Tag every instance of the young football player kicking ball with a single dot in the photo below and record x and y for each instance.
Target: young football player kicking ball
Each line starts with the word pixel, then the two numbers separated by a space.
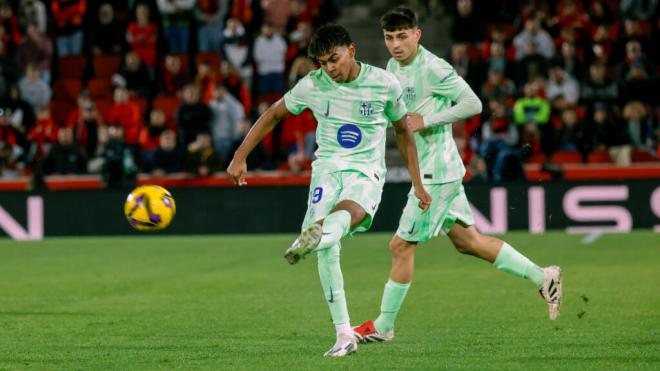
pixel 353 104
pixel 430 86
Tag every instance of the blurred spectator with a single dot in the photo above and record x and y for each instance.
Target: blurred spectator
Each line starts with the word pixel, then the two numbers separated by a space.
pixel 206 80
pixel 134 76
pixel 536 37
pixel 65 157
pixel 142 36
pixel 466 26
pixel 533 112
pixel 639 126
pixel 34 90
pixel 10 151
pixel 210 16
pixel 607 134
pixel 168 157
pixel 637 85
pixel 299 41
pixel 269 50
pixel 498 86
pixel 460 60
pixel 126 114
pixel 13 35
pixel 572 135
pixel 36 48
pixel 68 15
pixel 236 87
pixel 499 145
pixel 570 61
pixel 600 12
pixel 228 116
pixel 598 87
pixel 42 136
pixel 298 136
pixel 235 49
pixel 193 116
pixel 175 77
pixel 177 18
pixel 635 55
pixel 532 66
pixel 638 9
pixel 86 123
pixel 497 59
pixel 33 12
pixel 202 159
pixel 119 168
pixel 562 90
pixel 300 67
pixel 150 137
pixel 22 114
pixel 107 37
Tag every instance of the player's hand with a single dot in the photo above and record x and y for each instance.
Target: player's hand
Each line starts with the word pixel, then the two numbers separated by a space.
pixel 415 122
pixel 237 170
pixel 424 199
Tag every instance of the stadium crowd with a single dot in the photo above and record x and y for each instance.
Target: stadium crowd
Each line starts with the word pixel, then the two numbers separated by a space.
pixel 170 86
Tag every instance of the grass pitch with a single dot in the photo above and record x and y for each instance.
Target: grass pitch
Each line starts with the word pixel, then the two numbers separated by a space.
pixel 232 302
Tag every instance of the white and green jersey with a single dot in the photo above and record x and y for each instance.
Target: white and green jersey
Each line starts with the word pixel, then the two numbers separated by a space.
pixel 431 85
pixel 352 118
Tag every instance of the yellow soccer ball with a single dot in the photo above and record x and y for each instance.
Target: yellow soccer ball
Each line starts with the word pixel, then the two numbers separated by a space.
pixel 149 208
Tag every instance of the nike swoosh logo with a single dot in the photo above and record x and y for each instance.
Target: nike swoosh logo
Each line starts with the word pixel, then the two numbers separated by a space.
pixel 412 229
pixel 332 298
pixel 327 110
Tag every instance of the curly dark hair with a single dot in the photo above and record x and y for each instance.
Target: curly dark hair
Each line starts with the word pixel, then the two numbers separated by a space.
pixel 326 38
pixel 399 18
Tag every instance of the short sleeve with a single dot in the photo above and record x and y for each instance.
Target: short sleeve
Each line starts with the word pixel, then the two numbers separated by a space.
pixel 295 99
pixel 395 109
pixel 445 81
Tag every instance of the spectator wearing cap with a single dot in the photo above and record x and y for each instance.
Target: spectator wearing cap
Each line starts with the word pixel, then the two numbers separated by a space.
pixel 269 51
pixel 563 90
pixel 68 15
pixel 33 89
pixel 65 157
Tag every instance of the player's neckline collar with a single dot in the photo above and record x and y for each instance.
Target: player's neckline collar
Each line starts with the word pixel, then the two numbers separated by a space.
pixel 355 82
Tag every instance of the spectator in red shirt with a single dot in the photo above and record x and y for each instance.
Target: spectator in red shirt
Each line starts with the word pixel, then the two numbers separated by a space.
pixel 126 114
pixel 142 36
pixel 10 151
pixel 11 26
pixel 86 122
pixel 68 15
pixel 150 136
pixel 175 77
pixel 42 136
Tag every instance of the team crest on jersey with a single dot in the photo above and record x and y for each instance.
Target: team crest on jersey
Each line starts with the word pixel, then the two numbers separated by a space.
pixel 410 94
pixel 366 109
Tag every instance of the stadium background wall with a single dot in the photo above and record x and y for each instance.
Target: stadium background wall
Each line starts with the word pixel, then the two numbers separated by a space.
pixel 574 207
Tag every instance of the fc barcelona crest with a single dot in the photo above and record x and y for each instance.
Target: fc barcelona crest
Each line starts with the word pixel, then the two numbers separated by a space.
pixel 410 94
pixel 366 109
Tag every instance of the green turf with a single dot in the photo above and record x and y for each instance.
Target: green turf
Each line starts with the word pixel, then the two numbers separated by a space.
pixel 233 302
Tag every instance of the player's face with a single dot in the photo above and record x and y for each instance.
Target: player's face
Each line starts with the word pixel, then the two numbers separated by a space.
pixel 402 44
pixel 338 63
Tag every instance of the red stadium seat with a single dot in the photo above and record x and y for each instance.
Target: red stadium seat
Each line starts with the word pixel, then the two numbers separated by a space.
pixel 60 109
pixel 169 105
pixel 141 103
pixel 100 88
pixel 566 157
pixel 599 157
pixel 103 105
pixel 67 90
pixel 72 67
pixel 106 65
pixel 538 158
pixel 641 156
pixel 213 59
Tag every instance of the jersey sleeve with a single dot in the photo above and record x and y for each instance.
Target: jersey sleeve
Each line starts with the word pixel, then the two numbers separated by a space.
pixel 395 109
pixel 445 81
pixel 296 98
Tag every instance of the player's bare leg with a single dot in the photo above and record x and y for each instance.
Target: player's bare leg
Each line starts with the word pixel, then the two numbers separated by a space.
pixel 468 240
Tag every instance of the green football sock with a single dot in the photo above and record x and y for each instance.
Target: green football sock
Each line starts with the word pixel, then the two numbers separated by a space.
pixel 333 283
pixel 335 226
pixel 510 260
pixel 393 297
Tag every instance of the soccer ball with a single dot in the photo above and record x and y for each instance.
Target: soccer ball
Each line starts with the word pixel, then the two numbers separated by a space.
pixel 149 208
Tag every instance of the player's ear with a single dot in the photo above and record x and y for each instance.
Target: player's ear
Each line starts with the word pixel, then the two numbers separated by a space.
pixel 418 33
pixel 351 50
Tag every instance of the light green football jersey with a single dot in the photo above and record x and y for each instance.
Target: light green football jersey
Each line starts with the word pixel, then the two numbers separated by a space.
pixel 352 118
pixel 431 85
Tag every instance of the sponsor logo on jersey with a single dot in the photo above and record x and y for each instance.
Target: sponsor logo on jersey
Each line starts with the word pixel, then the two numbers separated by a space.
pixel 349 136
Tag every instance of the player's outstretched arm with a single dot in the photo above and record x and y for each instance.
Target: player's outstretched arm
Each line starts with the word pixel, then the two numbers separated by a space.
pixel 467 105
pixel 406 144
pixel 266 122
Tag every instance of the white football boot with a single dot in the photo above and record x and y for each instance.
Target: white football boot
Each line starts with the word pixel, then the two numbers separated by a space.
pixel 552 290
pixel 346 344
pixel 304 244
